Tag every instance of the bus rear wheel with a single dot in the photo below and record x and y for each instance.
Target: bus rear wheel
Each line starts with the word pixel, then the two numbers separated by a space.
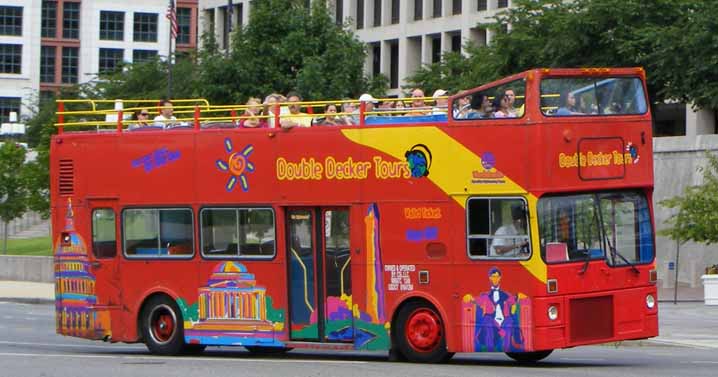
pixel 529 357
pixel 420 334
pixel 162 326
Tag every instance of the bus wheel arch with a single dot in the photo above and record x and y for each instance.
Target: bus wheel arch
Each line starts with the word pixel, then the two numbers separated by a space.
pixel 419 332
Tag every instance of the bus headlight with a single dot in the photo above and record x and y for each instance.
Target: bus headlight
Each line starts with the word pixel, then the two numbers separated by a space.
pixel 650 301
pixel 552 313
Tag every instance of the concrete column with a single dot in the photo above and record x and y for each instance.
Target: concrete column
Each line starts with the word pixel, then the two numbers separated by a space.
pixel 699 122
pixel 426 49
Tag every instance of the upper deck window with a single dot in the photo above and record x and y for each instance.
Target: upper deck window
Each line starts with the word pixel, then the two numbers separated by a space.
pixel 592 96
pixel 505 101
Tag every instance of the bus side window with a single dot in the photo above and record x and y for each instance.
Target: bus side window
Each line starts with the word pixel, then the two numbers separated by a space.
pixel 496 228
pixel 104 240
pixel 238 232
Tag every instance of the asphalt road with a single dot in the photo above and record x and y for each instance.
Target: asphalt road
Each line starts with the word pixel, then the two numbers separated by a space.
pixel 30 347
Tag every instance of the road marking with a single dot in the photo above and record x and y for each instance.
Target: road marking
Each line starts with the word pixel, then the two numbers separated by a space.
pixel 580 359
pixel 108 346
pixel 208 358
pixel 699 362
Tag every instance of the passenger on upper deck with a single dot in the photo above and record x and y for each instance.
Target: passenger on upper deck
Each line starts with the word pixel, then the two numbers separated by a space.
pixel 165 119
pixel 481 107
pixel 348 108
pixel 441 104
pixel 296 117
pixel 399 108
pixel 269 107
pixel 330 119
pixel 509 93
pixel 501 104
pixel 462 108
pixel 142 117
pixel 252 115
pixel 568 104
pixel 369 104
pixel 418 106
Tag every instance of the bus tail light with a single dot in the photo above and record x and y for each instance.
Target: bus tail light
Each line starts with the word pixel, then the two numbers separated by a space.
pixel 552 286
pixel 650 301
pixel 552 312
pixel 652 276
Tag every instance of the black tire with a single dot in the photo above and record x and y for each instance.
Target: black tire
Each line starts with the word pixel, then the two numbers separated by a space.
pixel 529 357
pixel 263 350
pixel 420 334
pixel 162 326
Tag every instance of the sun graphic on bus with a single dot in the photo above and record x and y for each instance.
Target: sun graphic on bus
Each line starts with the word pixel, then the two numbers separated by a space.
pixel 237 165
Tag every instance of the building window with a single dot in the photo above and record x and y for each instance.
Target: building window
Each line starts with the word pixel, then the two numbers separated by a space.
pixel 418 10
pixel 104 240
pixel 497 228
pixel 482 5
pixel 10 58
pixel 110 58
pixel 395 11
pixel 209 16
pixel 112 25
pixel 47 64
pixel 376 59
pixel 240 15
pixel 377 13
pixel 360 14
pixel 140 56
pixel 46 97
pixel 69 65
pixel 503 4
pixel 49 19
pixel 10 20
pixel 7 106
pixel 184 19
pixel 339 12
pixel 227 23
pixel 166 232
pixel 456 7
pixel 71 20
pixel 456 43
pixel 437 9
pixel 394 65
pixel 145 27
pixel 238 232
pixel 435 49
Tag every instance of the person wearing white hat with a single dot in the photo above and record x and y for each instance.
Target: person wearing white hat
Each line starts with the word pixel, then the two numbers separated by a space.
pixel 369 102
pixel 441 103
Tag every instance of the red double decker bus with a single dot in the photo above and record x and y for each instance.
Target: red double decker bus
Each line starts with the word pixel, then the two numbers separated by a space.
pixel 519 228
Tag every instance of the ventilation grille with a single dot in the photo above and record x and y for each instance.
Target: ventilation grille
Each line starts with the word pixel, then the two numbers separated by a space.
pixel 591 319
pixel 67 177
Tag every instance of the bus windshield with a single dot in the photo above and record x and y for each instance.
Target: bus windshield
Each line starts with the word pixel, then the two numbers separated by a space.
pixel 592 96
pixel 615 226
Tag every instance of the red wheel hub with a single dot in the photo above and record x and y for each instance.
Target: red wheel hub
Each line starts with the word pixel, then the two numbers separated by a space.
pixel 423 330
pixel 163 324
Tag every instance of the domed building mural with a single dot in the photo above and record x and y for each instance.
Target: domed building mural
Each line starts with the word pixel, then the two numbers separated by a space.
pixel 75 286
pixel 234 310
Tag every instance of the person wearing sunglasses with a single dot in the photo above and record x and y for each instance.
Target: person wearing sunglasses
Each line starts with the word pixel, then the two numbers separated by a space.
pixel 141 119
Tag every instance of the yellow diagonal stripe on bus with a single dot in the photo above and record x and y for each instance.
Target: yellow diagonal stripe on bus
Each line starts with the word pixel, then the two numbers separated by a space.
pixel 451 170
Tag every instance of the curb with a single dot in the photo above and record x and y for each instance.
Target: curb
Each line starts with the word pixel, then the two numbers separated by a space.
pixel 28 300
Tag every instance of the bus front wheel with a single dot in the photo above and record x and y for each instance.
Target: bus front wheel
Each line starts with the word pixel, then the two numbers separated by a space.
pixel 420 334
pixel 162 326
pixel 529 357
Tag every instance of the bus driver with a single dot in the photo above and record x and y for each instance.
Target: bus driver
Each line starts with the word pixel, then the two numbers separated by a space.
pixel 507 246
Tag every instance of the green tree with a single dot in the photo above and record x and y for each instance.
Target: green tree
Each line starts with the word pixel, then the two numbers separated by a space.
pixel 15 185
pixel 286 46
pixel 696 218
pixel 672 40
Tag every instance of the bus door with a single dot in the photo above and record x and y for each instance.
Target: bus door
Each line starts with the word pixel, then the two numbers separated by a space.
pixel 105 263
pixel 319 262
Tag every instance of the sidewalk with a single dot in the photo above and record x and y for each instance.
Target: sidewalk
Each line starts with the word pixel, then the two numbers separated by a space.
pixel 686 324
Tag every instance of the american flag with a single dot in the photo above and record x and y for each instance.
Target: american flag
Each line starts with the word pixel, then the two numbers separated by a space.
pixel 172 16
